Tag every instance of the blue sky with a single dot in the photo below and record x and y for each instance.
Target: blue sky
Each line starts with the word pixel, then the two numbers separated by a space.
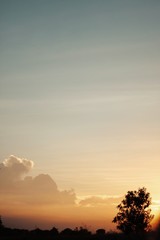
pixel 80 91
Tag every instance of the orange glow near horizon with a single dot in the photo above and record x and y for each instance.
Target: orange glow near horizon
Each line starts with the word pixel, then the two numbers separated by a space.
pixel 63 216
pixel 31 201
pixel 60 216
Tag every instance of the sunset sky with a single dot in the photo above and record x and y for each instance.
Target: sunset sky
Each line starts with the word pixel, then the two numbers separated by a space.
pixel 79 109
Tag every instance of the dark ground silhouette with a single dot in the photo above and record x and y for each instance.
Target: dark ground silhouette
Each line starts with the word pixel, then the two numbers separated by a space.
pixel 69 234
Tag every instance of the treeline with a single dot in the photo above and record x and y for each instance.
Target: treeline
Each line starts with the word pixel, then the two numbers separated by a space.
pixel 69 234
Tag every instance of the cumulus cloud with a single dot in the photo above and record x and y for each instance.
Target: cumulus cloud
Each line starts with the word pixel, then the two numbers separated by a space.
pixel 16 187
pixel 20 164
pixel 13 168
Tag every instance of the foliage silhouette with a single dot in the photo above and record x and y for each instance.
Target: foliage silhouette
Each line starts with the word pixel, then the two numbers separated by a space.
pixel 100 231
pixel 134 214
pixel 1 224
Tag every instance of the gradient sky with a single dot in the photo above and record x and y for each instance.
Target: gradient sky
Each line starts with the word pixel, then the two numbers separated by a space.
pixel 80 92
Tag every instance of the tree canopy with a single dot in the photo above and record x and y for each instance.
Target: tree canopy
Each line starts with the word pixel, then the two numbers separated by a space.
pixel 134 215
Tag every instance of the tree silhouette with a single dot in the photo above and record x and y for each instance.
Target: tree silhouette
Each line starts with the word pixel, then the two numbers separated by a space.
pixel 1 224
pixel 134 214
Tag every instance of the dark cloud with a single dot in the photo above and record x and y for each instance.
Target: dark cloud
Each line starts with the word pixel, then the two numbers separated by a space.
pixel 28 190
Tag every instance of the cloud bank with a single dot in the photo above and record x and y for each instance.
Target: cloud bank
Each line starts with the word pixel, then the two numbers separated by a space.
pixel 28 200
pixel 42 189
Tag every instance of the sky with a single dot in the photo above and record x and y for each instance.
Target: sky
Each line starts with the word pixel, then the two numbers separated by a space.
pixel 79 107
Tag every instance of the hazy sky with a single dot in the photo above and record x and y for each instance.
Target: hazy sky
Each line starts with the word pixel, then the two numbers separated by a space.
pixel 80 92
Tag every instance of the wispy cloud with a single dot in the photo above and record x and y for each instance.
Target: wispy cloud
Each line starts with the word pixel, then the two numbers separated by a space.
pixel 93 201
